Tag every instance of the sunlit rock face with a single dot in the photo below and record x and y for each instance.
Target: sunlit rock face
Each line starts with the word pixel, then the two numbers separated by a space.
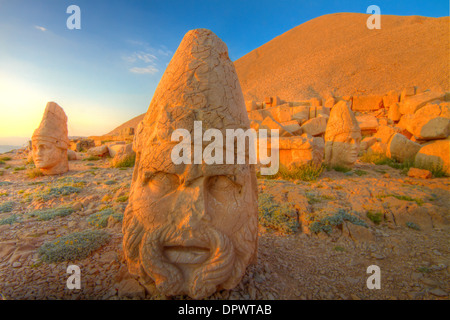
pixel 342 136
pixel 191 228
pixel 50 141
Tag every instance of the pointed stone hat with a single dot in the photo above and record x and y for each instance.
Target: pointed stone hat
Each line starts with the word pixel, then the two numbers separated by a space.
pixel 342 121
pixel 199 84
pixel 53 126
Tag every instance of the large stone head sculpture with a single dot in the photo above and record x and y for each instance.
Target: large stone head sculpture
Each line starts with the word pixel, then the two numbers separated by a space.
pixel 50 141
pixel 342 136
pixel 191 228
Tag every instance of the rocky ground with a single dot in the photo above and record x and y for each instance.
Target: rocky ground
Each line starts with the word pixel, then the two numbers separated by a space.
pixel 414 264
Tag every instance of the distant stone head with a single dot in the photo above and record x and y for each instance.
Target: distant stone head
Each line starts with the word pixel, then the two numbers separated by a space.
pixel 50 141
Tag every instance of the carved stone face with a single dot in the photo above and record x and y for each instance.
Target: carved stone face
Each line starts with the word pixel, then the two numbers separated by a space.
pixel 46 155
pixel 192 229
pixel 344 149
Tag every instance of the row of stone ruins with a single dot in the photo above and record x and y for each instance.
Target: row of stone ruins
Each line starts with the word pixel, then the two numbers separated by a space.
pixel 406 125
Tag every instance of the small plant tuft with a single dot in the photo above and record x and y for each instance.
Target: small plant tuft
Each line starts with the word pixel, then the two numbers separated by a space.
pixel 74 246
pixel 45 215
pixel 100 219
pixel 337 219
pixel 6 206
pixel 127 162
pixel 34 173
pixel 412 225
pixel 375 217
pixel 275 216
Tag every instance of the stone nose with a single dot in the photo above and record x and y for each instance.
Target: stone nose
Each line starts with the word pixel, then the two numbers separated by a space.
pixel 191 208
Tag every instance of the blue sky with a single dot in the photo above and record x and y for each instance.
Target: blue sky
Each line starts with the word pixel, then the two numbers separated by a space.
pixel 107 72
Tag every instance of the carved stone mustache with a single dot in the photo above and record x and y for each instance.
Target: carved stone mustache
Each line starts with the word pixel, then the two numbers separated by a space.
pixel 210 250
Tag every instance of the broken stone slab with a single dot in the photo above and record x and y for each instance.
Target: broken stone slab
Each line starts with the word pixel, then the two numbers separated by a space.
pixel 413 103
pixel 434 155
pixel 401 148
pixel 315 126
pixel 367 103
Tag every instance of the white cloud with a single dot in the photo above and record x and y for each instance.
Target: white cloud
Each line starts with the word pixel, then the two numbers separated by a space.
pixel 145 70
pixel 40 28
pixel 140 56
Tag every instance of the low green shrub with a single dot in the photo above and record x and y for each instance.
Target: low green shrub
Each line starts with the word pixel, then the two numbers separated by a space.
pixel 412 225
pixel 100 219
pixel 275 216
pixel 306 172
pixel 92 158
pixel 6 206
pixel 326 224
pixel 375 217
pixel 122 199
pixel 127 162
pixel 10 220
pixel 48 214
pixel 74 246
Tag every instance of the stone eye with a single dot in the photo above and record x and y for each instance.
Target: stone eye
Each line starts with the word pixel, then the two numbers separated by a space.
pixel 221 184
pixel 162 183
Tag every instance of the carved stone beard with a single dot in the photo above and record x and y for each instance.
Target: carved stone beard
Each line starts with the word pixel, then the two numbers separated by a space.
pixel 223 269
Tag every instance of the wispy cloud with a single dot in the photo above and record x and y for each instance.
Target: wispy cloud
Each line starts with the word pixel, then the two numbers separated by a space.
pixel 140 56
pixel 144 70
pixel 41 28
pixel 146 59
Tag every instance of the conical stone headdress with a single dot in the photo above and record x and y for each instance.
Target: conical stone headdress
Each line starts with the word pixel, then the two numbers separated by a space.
pixel 53 127
pixel 199 84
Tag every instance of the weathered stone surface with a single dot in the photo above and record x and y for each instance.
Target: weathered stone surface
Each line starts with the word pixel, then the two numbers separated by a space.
pixel 83 145
pixel 357 233
pixel 123 153
pixel 430 122
pixel 258 115
pixel 409 91
pixel 401 148
pixel 378 147
pixel 270 123
pixel 315 126
pixel 316 102
pixel 413 103
pixel 330 102
pixel 435 155
pixel 129 131
pixel 299 150
pixel 292 126
pixel 72 155
pixel 100 151
pixel 367 123
pixel 367 103
pixel 174 235
pixel 390 99
pixel 130 288
pixel 342 136
pixel 394 112
pixel 367 143
pixel 323 111
pixel 419 173
pixel 385 133
pixel 281 113
pixel 250 105
pixel 50 141
pixel 300 113
pixel 113 148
